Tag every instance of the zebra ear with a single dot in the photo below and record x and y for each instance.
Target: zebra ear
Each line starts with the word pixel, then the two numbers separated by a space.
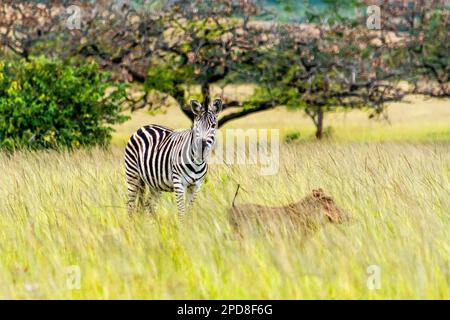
pixel 216 106
pixel 197 108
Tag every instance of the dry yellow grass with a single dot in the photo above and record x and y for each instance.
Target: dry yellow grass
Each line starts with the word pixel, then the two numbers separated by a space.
pixel 63 212
pixel 66 210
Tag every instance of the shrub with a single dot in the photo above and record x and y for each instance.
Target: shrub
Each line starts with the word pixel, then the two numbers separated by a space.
pixel 292 137
pixel 49 104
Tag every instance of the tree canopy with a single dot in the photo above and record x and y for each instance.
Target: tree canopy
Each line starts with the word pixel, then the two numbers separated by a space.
pixel 318 57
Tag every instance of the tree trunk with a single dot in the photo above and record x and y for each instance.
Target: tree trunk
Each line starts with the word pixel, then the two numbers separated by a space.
pixel 205 93
pixel 319 123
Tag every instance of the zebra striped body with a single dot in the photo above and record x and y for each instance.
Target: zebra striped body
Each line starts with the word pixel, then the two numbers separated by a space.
pixel 155 153
pixel 162 159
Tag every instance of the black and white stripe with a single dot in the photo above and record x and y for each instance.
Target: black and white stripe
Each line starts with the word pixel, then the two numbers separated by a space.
pixel 162 159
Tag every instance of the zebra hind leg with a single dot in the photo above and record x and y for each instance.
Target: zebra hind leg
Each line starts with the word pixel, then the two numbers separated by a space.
pixel 136 188
pixel 152 200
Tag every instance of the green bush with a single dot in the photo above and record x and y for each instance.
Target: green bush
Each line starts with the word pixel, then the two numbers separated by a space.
pixel 292 137
pixel 49 104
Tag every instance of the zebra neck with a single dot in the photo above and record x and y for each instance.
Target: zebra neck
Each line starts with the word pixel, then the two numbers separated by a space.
pixel 192 150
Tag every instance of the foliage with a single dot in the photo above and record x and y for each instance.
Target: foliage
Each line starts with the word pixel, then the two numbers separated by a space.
pixel 422 29
pixel 326 66
pixel 330 60
pixel 170 77
pixel 199 46
pixel 48 104
pixel 292 137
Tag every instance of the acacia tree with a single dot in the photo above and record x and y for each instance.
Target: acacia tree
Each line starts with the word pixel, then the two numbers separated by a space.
pixel 206 42
pixel 321 67
pixel 422 27
pixel 25 24
pixel 339 62
pixel 110 33
pixel 170 48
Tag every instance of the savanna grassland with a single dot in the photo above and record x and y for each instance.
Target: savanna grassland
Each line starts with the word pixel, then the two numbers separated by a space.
pixel 62 209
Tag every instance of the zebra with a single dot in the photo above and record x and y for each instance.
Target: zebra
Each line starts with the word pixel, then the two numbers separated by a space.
pixel 165 160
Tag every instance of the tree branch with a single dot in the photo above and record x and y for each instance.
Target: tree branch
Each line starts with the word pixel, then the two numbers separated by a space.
pixel 261 107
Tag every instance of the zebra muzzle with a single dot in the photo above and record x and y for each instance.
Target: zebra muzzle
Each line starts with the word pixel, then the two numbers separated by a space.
pixel 204 146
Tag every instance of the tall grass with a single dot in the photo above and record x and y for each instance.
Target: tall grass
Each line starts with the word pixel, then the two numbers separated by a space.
pixel 64 209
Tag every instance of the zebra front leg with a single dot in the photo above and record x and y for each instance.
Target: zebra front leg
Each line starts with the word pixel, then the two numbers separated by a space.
pixel 179 190
pixel 191 193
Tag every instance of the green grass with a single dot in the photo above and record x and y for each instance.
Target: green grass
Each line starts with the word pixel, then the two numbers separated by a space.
pixel 61 209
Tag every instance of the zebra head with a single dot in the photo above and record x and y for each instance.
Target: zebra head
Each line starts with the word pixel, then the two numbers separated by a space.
pixel 204 128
